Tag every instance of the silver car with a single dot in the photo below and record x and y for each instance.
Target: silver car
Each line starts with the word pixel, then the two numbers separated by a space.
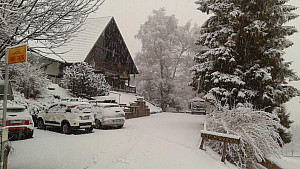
pixel 108 115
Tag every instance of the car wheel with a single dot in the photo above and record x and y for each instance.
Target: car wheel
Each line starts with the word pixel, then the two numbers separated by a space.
pixel 41 124
pixel 88 130
pixel 20 136
pixel 66 128
pixel 98 124
pixel 119 127
pixel 29 134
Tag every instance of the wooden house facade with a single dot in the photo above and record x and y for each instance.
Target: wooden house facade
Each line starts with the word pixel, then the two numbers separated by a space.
pixel 99 43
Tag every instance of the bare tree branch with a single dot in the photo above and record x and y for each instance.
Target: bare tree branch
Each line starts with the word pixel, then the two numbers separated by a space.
pixel 52 22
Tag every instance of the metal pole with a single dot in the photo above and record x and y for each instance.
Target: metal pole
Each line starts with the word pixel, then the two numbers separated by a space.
pixel 4 113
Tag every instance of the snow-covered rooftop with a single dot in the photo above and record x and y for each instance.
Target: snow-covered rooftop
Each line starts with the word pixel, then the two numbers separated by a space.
pixel 79 46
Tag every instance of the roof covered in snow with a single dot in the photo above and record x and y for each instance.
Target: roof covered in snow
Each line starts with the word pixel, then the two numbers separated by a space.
pixel 77 49
pixel 197 99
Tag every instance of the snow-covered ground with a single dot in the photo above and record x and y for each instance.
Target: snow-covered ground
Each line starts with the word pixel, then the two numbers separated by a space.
pixel 163 140
pixel 160 141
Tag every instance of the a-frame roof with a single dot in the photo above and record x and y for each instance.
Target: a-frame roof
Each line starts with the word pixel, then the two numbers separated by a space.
pixel 79 47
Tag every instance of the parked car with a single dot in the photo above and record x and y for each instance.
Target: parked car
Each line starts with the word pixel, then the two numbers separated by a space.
pixel 108 115
pixel 197 106
pixel 103 99
pixel 68 116
pixel 18 121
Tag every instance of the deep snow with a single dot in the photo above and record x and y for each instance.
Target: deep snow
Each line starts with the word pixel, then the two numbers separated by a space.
pixel 164 140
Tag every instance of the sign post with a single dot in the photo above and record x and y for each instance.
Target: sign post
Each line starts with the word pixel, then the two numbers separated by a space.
pixel 14 54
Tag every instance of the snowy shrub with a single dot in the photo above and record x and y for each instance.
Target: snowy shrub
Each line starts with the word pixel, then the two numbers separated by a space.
pixel 29 79
pixel 34 106
pixel 258 131
pixel 82 81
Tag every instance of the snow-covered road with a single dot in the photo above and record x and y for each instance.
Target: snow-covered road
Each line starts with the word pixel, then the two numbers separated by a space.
pixel 161 141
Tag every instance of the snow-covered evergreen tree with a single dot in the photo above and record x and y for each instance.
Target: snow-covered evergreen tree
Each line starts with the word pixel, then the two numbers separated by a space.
pixel 28 78
pixel 82 81
pixel 166 52
pixel 243 61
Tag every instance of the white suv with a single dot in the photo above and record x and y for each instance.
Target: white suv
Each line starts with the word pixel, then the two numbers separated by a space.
pixel 108 115
pixel 69 116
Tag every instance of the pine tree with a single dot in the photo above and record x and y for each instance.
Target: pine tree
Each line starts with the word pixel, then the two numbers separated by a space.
pixel 82 81
pixel 243 62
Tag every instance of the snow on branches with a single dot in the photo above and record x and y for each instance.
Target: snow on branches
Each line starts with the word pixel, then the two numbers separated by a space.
pixel 245 42
pixel 82 81
pixel 48 22
pixel 168 48
pixel 28 78
pixel 258 130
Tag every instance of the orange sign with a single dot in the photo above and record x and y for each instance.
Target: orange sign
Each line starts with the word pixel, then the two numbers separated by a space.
pixel 17 54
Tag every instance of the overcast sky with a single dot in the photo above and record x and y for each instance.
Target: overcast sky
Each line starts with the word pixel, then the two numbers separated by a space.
pixel 131 14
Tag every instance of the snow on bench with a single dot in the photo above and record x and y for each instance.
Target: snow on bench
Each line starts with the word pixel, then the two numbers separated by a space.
pixel 226 138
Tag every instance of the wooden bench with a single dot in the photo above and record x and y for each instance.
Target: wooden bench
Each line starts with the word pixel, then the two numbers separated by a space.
pixel 226 138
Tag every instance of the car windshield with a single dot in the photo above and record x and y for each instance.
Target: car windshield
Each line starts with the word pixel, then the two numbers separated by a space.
pixel 109 106
pixel 81 107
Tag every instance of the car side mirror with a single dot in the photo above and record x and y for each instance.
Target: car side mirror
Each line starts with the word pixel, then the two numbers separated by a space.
pixel 68 110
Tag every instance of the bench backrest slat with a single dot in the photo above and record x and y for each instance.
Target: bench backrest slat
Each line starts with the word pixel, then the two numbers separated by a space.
pixel 229 138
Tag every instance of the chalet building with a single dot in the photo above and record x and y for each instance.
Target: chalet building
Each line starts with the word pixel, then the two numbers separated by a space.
pixel 100 44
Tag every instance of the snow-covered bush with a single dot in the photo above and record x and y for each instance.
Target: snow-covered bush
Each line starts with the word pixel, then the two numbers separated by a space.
pixel 34 106
pixel 258 131
pixel 82 81
pixel 29 79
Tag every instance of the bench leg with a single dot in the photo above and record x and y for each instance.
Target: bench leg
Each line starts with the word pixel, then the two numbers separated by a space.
pixel 202 142
pixel 224 152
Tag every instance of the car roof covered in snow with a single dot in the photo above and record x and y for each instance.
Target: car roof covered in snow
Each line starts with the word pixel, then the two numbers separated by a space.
pixel 107 104
pixel 72 103
pixel 197 99
pixel 14 106
pixel 103 98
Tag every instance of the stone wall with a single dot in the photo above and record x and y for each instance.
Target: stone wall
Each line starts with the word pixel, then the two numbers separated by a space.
pixel 137 109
